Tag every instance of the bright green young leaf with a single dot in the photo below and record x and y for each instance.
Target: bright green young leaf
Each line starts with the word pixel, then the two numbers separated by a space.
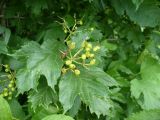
pixel 40 60
pixel 146 89
pixel 57 117
pixel 5 112
pixel 145 115
pixel 92 87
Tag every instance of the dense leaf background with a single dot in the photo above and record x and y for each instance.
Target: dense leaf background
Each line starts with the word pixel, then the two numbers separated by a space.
pixel 124 83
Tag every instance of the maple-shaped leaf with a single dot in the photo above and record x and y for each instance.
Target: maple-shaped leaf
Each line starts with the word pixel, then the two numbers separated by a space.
pixel 40 60
pixel 42 97
pixel 146 89
pixel 92 87
pixel 145 115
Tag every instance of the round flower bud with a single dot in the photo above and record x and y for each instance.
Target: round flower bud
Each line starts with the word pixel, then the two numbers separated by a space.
pixel 88 49
pixel 92 29
pixel 5 94
pixel 91 55
pixel 65 31
pixel 12 81
pixel 64 70
pixel 89 45
pixel 72 45
pixel 96 48
pixel 72 66
pixel 6 70
pixel 68 62
pixel 84 44
pixel 77 72
pixel 9 76
pixel 13 89
pixel 83 56
pixel 81 22
pixel 6 66
pixel 92 62
pixel 10 85
pixel 87 54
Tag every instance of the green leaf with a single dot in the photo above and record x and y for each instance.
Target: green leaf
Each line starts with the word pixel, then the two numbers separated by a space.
pixel 146 15
pixel 54 31
pixel 96 35
pixel 26 79
pixel 42 112
pixel 42 97
pixel 3 47
pixel 75 108
pixel 109 46
pixel 57 117
pixel 6 34
pixel 92 87
pixel 40 60
pixel 37 5
pixel 5 112
pixel 146 90
pixel 137 3
pixel 145 115
pixel 16 109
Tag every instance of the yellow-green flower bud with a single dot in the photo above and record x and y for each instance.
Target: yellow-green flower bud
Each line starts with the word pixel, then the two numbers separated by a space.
pixel 72 66
pixel 77 72
pixel 68 62
pixel 83 56
pixel 92 62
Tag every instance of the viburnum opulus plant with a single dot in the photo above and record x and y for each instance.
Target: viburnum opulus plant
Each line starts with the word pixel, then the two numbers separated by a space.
pixel 79 60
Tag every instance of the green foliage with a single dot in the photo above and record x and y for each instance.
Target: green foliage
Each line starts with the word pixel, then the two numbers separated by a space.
pixel 3 47
pixel 5 113
pixel 83 60
pixel 148 10
pixel 146 89
pixel 16 109
pixel 44 59
pixel 91 86
pixel 145 115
